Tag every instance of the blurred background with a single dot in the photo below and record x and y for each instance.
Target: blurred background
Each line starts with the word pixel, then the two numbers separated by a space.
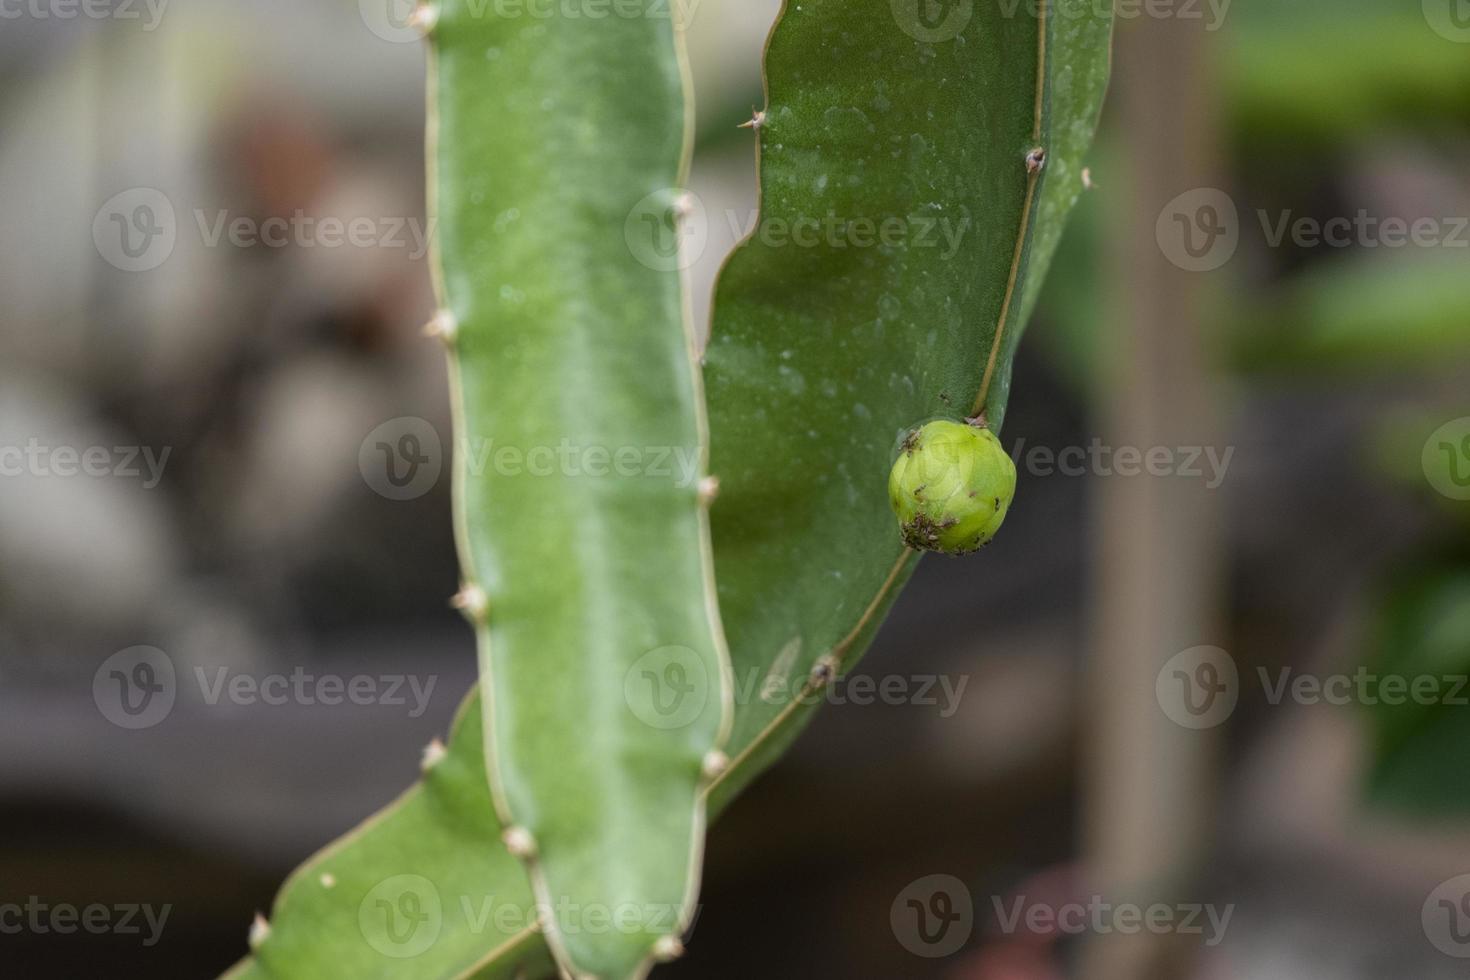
pixel 1214 668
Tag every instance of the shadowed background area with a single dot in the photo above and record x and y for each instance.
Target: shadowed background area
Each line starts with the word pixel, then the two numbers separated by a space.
pixel 1240 421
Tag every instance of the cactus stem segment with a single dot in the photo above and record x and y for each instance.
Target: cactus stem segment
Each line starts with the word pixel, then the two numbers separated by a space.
pixel 667 949
pixel 434 754
pixel 714 764
pixel 472 601
pixel 260 931
pixel 709 489
pixel 1035 160
pixel 519 842
pixel 443 326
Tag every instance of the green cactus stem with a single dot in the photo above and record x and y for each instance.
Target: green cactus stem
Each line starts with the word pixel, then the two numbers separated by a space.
pixel 605 677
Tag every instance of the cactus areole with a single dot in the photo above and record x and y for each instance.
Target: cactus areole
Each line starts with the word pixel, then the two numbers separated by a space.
pixel 951 487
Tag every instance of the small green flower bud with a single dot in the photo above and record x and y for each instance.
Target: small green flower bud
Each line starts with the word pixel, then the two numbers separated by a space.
pixel 951 487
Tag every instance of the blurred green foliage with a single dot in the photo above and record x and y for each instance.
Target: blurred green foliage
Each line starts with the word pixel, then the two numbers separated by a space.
pixel 1419 743
pixel 1308 91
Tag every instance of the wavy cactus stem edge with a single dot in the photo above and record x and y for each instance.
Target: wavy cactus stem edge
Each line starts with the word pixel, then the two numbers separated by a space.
pixel 556 330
